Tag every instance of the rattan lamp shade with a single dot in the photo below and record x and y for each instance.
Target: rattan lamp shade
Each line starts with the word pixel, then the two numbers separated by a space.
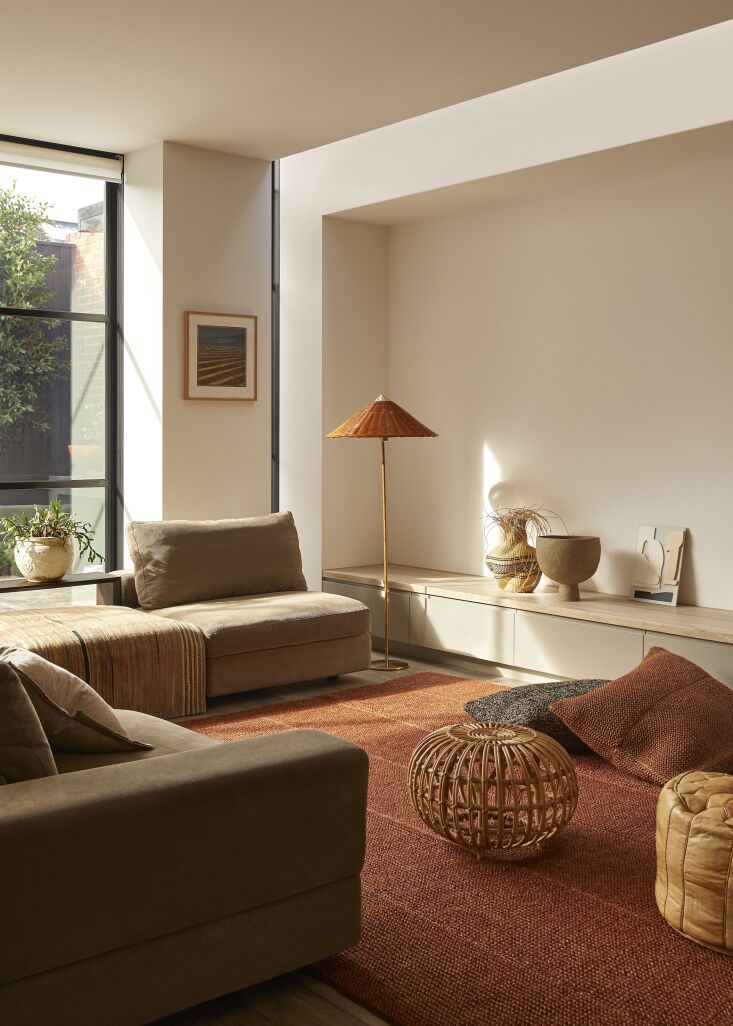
pixel 383 419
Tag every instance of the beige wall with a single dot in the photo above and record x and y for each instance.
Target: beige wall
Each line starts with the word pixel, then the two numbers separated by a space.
pixel 197 237
pixel 216 455
pixel 142 370
pixel 675 86
pixel 355 328
pixel 573 350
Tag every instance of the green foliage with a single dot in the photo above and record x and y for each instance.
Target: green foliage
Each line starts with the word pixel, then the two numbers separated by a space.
pixel 49 522
pixel 29 351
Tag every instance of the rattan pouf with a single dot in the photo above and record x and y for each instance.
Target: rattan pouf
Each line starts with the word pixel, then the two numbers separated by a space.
pixel 491 787
pixel 695 857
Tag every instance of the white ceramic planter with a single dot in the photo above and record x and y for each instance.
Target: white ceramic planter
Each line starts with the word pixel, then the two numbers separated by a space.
pixel 44 559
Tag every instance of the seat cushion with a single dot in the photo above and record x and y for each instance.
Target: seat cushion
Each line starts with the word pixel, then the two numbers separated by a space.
pixel 180 561
pixel 166 738
pixel 258 622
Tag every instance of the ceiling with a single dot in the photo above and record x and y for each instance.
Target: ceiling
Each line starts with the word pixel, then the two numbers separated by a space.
pixel 266 78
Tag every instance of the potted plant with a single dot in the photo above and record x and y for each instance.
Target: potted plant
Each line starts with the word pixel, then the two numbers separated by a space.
pixel 44 543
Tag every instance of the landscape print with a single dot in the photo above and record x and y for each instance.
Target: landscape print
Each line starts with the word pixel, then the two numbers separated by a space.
pixel 221 358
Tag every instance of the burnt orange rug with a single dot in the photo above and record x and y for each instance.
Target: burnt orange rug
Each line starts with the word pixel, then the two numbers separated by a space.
pixel 570 938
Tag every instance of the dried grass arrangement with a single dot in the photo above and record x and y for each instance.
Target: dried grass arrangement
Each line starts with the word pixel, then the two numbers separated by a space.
pixel 514 561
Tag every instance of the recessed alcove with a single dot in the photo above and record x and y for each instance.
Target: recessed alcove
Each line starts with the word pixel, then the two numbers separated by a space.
pixel 566 330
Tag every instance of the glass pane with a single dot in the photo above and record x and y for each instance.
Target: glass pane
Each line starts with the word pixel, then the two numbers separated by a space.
pixel 87 504
pixel 51 241
pixel 52 399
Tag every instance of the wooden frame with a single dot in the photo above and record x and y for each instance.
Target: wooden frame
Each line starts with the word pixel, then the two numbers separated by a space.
pixel 222 377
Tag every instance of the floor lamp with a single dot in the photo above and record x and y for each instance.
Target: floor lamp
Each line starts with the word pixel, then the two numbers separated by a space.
pixel 383 419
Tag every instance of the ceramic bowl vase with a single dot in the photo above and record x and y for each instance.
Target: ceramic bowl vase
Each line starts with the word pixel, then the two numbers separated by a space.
pixel 44 559
pixel 514 563
pixel 568 559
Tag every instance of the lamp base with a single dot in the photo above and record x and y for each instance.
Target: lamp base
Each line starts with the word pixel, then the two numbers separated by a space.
pixel 388 665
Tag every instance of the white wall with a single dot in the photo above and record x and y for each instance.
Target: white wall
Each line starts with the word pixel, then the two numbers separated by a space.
pixel 142 449
pixel 217 224
pixel 197 237
pixel 355 333
pixel 574 350
pixel 674 86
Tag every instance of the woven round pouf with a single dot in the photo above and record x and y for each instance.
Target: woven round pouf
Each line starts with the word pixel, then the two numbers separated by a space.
pixel 491 787
pixel 694 887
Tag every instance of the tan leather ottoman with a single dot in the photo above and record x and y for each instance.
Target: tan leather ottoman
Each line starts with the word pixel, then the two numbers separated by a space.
pixel 694 888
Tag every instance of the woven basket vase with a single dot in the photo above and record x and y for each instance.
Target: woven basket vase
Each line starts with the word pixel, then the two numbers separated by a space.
pixel 514 563
pixel 492 786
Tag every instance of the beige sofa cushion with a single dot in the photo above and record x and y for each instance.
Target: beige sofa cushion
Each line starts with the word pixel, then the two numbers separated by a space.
pixel 181 561
pixel 166 738
pixel 24 750
pixel 251 624
pixel 73 716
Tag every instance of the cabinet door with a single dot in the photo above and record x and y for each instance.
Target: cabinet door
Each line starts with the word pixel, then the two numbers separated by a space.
pixel 466 628
pixel 575 648
pixel 714 657
pixel 399 607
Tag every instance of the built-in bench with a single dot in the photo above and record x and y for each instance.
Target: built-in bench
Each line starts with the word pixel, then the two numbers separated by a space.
pixel 600 636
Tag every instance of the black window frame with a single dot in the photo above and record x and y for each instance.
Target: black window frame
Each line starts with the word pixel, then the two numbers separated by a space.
pixel 112 320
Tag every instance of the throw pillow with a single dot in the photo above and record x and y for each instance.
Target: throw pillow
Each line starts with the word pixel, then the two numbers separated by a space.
pixel 665 717
pixel 24 749
pixel 529 706
pixel 73 716
pixel 182 561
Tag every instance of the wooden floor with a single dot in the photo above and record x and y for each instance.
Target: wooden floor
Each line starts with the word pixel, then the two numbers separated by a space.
pixel 298 999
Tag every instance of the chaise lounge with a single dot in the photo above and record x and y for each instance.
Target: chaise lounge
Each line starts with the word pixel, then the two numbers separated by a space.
pixel 240 582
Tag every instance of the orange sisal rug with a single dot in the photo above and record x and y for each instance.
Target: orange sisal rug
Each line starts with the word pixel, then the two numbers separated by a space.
pixel 570 938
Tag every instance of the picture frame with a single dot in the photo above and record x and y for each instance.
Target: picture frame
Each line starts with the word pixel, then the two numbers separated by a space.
pixel 220 361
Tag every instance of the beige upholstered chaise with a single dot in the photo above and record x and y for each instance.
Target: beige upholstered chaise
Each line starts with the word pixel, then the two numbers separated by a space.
pixel 137 884
pixel 241 583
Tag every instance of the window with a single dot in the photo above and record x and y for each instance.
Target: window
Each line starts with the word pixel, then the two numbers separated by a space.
pixel 59 234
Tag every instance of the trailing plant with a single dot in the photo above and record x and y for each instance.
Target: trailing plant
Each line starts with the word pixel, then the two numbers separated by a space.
pixel 50 522
pixel 31 350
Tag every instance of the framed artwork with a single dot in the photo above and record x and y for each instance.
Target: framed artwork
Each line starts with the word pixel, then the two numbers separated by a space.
pixel 221 357
pixel 658 564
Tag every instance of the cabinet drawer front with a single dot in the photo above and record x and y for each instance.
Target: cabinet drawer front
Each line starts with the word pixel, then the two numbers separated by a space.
pixel 714 657
pixel 466 628
pixel 399 607
pixel 575 648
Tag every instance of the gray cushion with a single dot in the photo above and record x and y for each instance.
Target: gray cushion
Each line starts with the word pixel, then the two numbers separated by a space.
pixel 73 716
pixel 180 561
pixel 529 706
pixel 24 750
pixel 262 622
pixel 166 738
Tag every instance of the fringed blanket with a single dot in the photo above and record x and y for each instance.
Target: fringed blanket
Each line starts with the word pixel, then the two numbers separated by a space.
pixel 134 660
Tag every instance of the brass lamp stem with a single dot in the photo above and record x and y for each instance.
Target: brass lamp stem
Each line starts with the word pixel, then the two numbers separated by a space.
pixel 386 663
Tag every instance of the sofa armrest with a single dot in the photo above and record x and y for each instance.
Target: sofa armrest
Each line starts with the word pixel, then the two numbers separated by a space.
pixel 102 858
pixel 128 593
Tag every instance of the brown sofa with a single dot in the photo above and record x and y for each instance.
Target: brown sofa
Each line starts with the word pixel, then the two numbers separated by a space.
pixel 241 583
pixel 138 884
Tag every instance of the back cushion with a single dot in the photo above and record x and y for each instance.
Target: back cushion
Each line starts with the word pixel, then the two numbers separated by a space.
pixel 181 561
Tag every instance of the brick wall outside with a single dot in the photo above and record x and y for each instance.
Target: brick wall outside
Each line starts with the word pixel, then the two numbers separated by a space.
pixel 87 378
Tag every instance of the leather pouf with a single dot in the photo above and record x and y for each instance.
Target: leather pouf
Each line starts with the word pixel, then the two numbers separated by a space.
pixel 695 857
